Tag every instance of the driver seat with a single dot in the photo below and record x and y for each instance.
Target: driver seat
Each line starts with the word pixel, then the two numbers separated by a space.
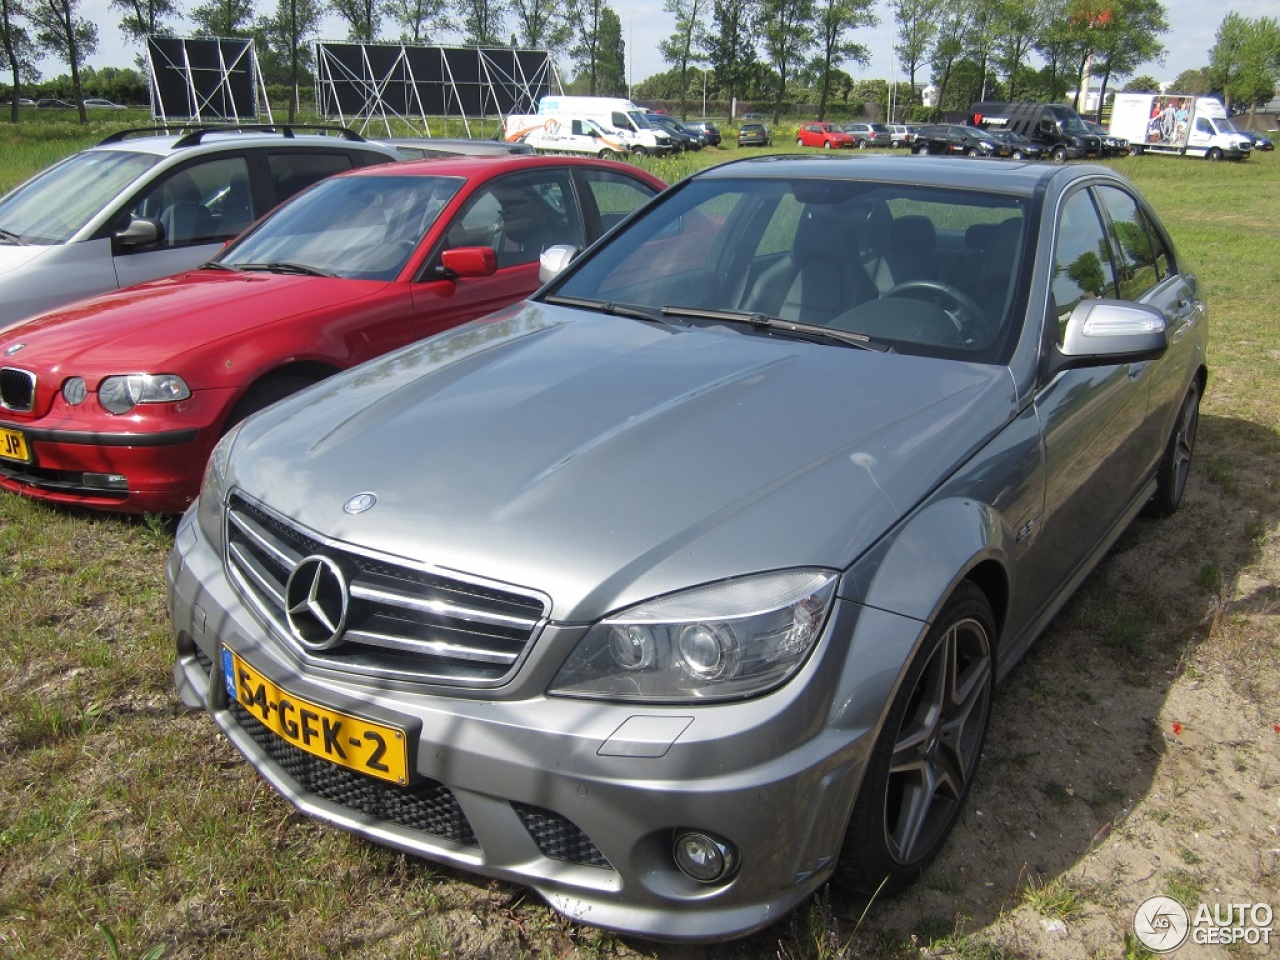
pixel 820 277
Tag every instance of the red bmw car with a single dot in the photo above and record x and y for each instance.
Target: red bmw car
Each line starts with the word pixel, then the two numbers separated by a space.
pixel 115 402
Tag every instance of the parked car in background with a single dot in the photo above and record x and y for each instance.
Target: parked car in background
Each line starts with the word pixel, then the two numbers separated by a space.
pixel 901 135
pixel 686 584
pixel 955 139
pixel 708 129
pixel 1260 140
pixel 143 204
pixel 98 103
pixel 825 135
pixel 869 134
pixel 754 135
pixel 53 103
pixel 681 136
pixel 115 402
pixel 1112 146
pixel 420 148
pixel 1020 147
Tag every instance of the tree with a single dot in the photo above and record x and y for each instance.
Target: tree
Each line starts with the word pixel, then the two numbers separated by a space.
pixel 363 18
pixel 65 34
pixel 1143 84
pixel 917 26
pixel 611 73
pixel 954 26
pixel 18 52
pixel 1130 36
pixel 224 18
pixel 542 23
pixel 787 30
pixel 679 49
pixel 730 46
pixel 1018 23
pixel 835 19
pixel 1191 81
pixel 586 17
pixel 1057 46
pixel 142 18
pixel 483 22
pixel 1244 60
pixel 287 31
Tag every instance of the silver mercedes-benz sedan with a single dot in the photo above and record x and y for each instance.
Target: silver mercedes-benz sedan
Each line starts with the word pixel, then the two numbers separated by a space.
pixel 683 585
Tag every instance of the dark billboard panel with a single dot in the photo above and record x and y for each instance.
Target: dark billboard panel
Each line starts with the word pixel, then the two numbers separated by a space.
pixel 203 78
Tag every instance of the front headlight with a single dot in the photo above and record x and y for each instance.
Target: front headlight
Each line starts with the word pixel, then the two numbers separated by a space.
pixel 722 641
pixel 122 394
pixel 213 489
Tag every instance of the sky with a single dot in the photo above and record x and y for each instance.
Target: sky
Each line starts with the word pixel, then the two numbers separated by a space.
pixel 1192 26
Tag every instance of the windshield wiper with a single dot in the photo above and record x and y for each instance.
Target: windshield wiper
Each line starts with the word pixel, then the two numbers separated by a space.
pixel 287 266
pixel 762 321
pixel 9 237
pixel 611 308
pixel 217 265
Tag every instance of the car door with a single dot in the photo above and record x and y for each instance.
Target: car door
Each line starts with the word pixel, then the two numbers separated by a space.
pixel 1092 419
pixel 517 216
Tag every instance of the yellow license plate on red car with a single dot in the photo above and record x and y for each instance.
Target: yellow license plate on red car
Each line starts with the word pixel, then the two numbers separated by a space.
pixel 366 746
pixel 13 445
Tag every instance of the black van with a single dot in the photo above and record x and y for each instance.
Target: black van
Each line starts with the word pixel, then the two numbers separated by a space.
pixel 1053 125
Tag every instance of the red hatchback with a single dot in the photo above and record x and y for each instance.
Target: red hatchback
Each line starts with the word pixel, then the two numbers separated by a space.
pixel 116 401
pixel 822 135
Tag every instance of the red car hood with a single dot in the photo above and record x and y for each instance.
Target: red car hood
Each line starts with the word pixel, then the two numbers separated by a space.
pixel 143 328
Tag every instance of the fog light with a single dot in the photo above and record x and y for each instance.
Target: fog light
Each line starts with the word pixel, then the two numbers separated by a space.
pixel 105 481
pixel 705 858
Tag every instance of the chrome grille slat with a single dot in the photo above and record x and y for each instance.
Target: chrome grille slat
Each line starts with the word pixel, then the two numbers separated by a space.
pixel 403 621
pixel 17 389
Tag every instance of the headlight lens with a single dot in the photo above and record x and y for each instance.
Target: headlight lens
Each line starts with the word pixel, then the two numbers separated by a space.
pixel 74 391
pixel 726 640
pixel 213 489
pixel 122 394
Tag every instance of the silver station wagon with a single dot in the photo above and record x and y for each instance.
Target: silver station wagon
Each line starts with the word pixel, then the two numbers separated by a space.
pixel 683 586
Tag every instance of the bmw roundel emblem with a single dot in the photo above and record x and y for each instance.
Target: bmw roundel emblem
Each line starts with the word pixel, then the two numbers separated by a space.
pixel 360 503
pixel 316 601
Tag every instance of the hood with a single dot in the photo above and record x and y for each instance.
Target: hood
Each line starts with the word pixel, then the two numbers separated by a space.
pixel 146 326
pixel 15 257
pixel 604 460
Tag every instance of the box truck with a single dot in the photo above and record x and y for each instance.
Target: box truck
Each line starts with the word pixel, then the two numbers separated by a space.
pixel 1055 126
pixel 560 134
pixel 611 113
pixel 1177 124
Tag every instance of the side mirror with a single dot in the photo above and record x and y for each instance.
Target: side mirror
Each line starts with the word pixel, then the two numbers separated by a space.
pixel 1105 332
pixel 141 232
pixel 462 262
pixel 553 261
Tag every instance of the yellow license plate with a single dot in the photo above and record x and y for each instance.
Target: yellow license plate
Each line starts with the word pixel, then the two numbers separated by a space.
pixel 13 445
pixel 376 749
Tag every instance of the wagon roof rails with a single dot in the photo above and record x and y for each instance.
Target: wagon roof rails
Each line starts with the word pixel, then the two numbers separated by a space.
pixel 192 134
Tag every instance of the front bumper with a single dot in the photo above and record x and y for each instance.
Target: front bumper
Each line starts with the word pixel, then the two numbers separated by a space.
pixel 579 800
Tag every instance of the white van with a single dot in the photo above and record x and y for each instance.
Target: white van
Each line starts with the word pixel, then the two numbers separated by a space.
pixel 615 114
pixel 563 134
pixel 1177 124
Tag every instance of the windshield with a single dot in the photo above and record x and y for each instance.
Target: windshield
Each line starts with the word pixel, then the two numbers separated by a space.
pixel 921 269
pixel 53 206
pixel 1225 126
pixel 356 227
pixel 640 120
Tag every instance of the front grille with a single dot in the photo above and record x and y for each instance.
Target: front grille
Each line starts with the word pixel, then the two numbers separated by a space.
pixel 402 621
pixel 17 389
pixel 428 807
pixel 559 838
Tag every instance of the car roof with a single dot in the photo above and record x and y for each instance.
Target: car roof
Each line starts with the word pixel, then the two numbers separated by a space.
pixel 159 142
pixel 1008 177
pixel 486 166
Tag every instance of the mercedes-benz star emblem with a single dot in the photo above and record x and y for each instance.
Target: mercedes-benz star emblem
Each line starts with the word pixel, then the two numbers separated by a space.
pixel 316 600
pixel 360 503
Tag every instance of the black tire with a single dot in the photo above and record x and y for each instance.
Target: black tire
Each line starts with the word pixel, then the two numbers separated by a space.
pixel 605 154
pixel 640 151
pixel 862 144
pixel 826 144
pixel 920 151
pixel 799 142
pixel 1175 465
pixel 928 751
pixel 264 393
pixel 1059 154
pixel 1215 154
pixel 1016 155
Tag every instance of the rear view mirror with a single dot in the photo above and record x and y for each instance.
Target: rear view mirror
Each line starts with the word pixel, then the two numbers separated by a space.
pixel 1103 332
pixel 461 262
pixel 553 261
pixel 141 232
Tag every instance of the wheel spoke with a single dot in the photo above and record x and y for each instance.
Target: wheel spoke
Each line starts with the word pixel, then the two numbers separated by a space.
pixel 913 812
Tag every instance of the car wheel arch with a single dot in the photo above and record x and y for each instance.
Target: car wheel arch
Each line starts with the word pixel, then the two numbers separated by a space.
pixel 276 384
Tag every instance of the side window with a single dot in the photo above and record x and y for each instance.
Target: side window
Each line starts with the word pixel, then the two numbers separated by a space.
pixel 615 195
pixel 1136 258
pixel 1082 260
pixel 291 172
pixel 519 217
pixel 201 202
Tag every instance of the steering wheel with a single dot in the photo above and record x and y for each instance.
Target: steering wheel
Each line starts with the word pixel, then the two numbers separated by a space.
pixel 964 311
